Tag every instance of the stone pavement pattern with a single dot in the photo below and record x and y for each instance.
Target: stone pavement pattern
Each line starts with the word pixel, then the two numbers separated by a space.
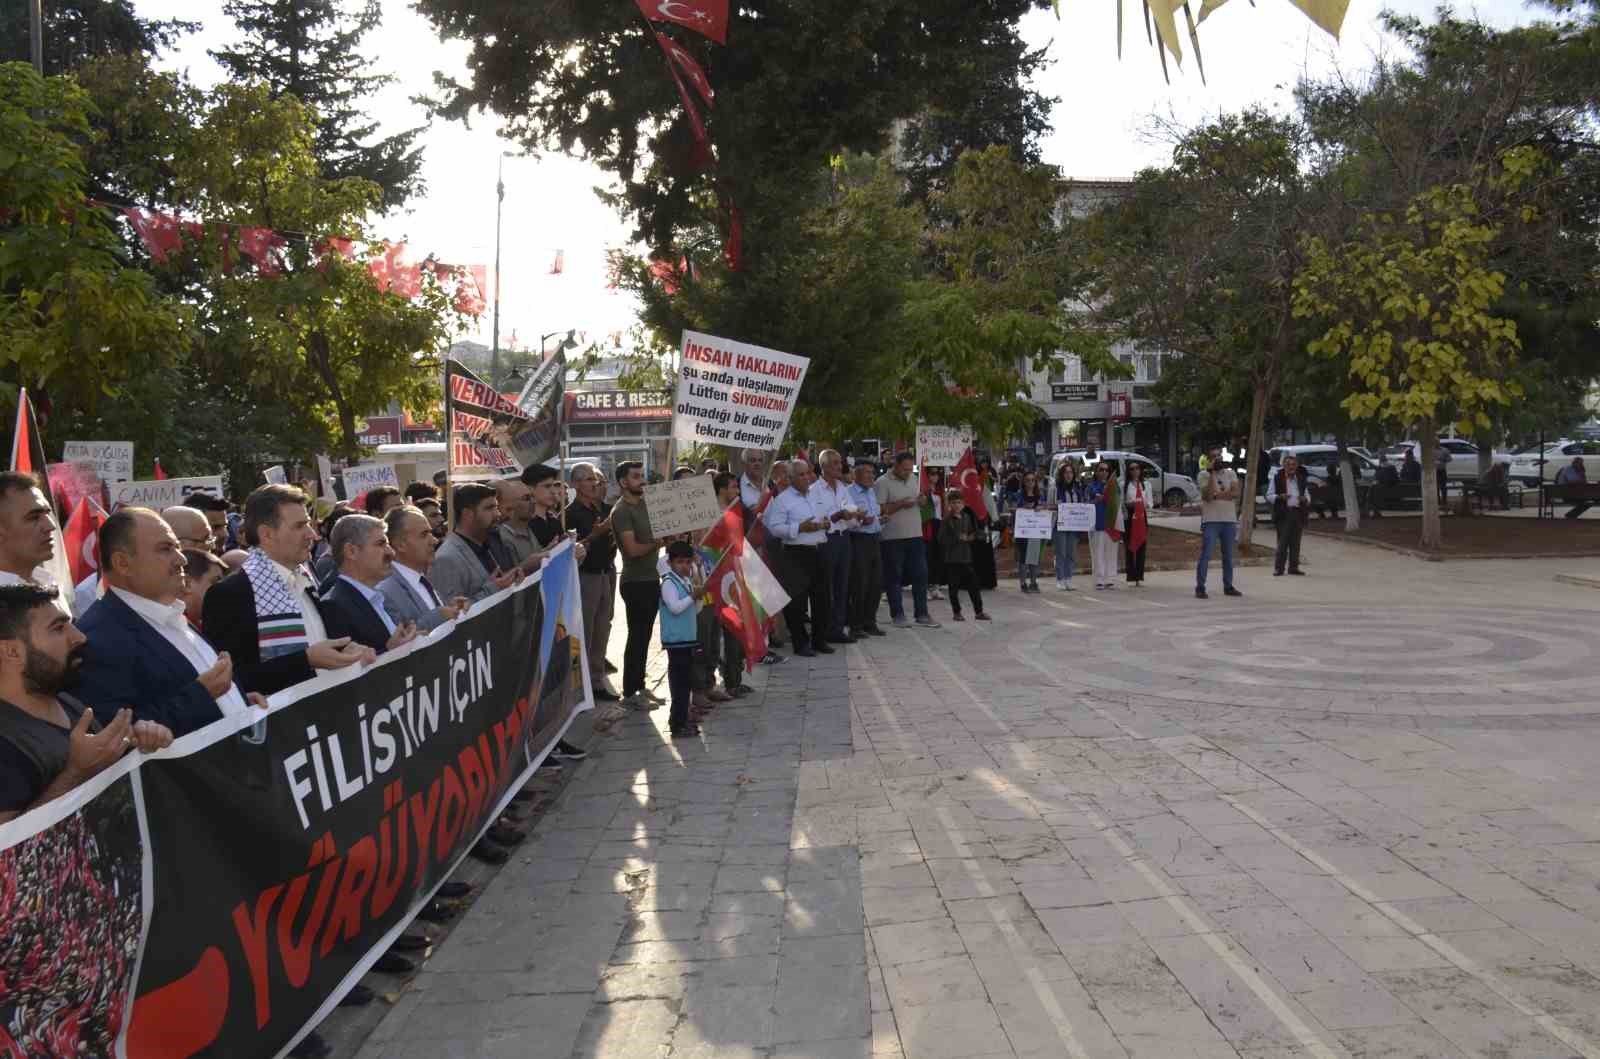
pixel 1350 815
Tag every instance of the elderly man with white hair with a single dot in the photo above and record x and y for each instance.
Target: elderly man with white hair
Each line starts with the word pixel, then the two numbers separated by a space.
pixel 798 532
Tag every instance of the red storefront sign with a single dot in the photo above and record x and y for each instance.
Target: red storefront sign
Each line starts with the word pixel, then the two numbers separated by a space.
pixel 379 430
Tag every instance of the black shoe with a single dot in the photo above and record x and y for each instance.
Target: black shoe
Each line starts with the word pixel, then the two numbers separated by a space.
pixel 1297 573
pixel 604 695
pixel 490 853
pixel 610 666
pixel 822 648
pixel 312 1046
pixel 845 639
pixel 412 942
pixel 434 912
pixel 685 731
pixel 957 616
pixel 506 835
pixel 1200 593
pixel 873 630
pixel 1277 573
pixel 570 751
pixel 806 652
pixel 389 963
pixel 772 658
pixel 739 691
pixel 551 762
pixel 358 997
pixel 454 889
pixel 1232 592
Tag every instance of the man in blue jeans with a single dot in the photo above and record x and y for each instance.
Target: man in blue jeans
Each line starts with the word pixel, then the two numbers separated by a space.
pixel 904 555
pixel 1219 521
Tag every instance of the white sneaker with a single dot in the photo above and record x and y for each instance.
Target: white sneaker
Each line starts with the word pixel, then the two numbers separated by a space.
pixel 936 594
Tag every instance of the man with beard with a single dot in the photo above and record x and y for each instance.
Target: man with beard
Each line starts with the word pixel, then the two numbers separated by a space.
pixel 50 742
pixel 641 585
pixel 265 617
pixel 465 564
pixel 142 654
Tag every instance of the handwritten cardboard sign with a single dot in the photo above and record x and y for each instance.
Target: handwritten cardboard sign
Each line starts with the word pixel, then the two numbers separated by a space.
pixel 1030 525
pixel 1077 518
pixel 684 506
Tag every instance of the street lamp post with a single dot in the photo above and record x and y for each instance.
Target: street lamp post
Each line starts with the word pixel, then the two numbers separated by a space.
pixel 570 342
pixel 499 204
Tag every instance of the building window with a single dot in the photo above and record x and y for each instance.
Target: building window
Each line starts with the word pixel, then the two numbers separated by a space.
pixel 1069 369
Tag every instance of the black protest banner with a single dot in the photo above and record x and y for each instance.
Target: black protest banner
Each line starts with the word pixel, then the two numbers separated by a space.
pixel 281 858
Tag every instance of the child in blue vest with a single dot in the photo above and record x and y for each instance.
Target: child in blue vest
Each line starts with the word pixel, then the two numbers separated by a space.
pixel 681 588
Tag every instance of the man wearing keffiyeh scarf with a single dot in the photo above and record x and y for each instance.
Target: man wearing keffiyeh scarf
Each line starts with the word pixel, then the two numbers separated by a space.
pixel 266 615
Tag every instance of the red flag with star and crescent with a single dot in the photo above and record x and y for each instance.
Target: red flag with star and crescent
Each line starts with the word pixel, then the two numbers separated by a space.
pixel 709 18
pixel 965 472
pixel 689 69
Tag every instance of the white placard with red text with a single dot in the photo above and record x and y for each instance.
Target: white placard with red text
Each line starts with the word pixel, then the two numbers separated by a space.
pixel 735 394
pixel 941 446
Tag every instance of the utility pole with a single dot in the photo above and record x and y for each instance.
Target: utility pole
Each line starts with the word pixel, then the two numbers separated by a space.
pixel 500 200
pixel 36 34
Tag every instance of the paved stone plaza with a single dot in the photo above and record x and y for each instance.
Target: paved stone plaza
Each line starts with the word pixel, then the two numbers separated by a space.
pixel 1353 814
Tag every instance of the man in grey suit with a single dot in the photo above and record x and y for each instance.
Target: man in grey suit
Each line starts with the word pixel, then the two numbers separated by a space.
pixel 464 565
pixel 408 593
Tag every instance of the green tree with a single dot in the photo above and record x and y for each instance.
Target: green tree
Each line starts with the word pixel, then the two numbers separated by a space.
pixel 75 318
pixel 311 50
pixel 76 31
pixel 1409 306
pixel 312 328
pixel 1200 258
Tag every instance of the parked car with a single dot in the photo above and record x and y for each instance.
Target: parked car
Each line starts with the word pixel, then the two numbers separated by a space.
pixel 1175 490
pixel 1463 456
pixel 1318 460
pixel 1525 466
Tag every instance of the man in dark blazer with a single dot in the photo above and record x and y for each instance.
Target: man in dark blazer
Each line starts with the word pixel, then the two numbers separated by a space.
pixel 142 654
pixel 265 616
pixel 1289 493
pixel 353 605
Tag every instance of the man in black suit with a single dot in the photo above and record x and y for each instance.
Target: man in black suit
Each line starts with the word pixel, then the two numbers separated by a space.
pixel 354 605
pixel 265 616
pixel 142 654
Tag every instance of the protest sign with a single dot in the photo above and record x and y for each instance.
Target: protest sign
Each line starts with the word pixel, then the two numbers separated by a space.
pixel 325 473
pixel 168 492
pixel 941 446
pixel 221 897
pixel 275 475
pixel 1077 518
pixel 1032 525
pixel 113 460
pixel 683 506
pixel 734 394
pixel 368 476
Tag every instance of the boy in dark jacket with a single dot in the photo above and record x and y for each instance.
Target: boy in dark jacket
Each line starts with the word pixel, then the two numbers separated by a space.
pixel 957 533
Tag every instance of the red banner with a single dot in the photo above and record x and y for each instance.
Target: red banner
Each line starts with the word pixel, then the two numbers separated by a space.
pixel 688 66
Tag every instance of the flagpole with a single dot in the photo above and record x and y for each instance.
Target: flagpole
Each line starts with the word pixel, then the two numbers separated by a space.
pixel 449 450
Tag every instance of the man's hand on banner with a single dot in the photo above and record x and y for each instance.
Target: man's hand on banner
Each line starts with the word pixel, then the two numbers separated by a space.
pixel 149 736
pixel 511 577
pixel 455 608
pixel 219 678
pixel 578 552
pixel 336 654
pixel 255 698
pixel 403 634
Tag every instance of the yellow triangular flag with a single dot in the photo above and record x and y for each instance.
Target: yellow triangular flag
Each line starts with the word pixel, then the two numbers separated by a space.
pixel 1167 25
pixel 1329 14
pixel 1208 6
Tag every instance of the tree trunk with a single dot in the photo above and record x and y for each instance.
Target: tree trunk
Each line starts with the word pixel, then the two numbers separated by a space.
pixel 1430 485
pixel 1347 475
pixel 349 443
pixel 1258 429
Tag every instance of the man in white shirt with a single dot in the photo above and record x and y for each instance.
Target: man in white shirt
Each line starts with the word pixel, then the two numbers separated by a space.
pixel 407 591
pixel 792 520
pixel 834 503
pixel 1290 498
pixel 142 654
pixel 753 482
pixel 27 535
pixel 1219 521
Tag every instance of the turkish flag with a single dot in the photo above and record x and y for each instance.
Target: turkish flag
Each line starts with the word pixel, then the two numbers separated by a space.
pixel 264 247
pixel 967 479
pixel 690 69
pixel 709 18
pixel 471 283
pixel 744 594
pixel 696 124
pixel 161 475
pixel 81 536
pixel 158 231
